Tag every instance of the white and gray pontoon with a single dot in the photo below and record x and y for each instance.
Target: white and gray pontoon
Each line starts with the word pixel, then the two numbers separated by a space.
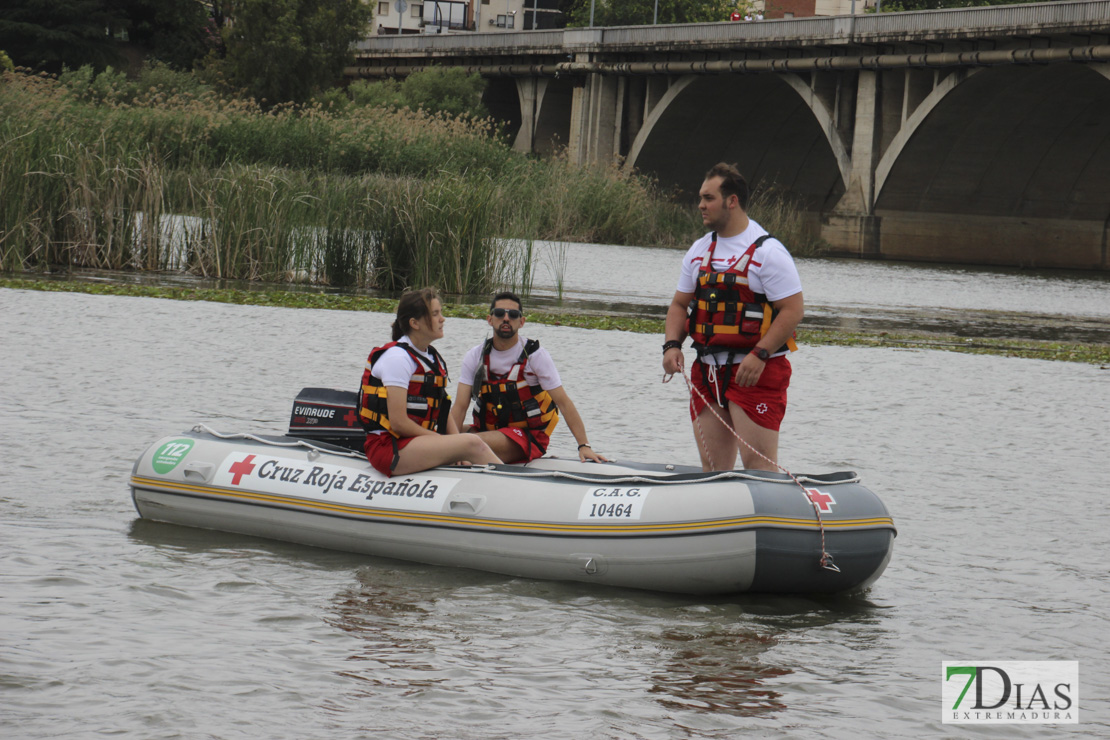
pixel 648 526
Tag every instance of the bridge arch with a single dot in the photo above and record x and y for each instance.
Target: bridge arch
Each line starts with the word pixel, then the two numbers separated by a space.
pixel 825 120
pixel 772 126
pixel 821 113
pixel 1016 153
pixel 673 91
pixel 914 122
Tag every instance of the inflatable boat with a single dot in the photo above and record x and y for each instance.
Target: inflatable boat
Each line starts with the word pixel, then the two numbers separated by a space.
pixel 648 526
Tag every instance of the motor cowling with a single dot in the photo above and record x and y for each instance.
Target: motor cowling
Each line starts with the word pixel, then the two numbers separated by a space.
pixel 327 415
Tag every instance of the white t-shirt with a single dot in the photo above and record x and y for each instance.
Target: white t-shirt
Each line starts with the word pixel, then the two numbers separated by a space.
pixel 396 367
pixel 771 270
pixel 540 369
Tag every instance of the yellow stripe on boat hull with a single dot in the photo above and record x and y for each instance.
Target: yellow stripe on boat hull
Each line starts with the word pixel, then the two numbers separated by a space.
pixel 520 527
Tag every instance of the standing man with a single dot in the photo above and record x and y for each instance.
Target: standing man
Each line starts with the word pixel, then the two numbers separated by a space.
pixel 519 393
pixel 747 301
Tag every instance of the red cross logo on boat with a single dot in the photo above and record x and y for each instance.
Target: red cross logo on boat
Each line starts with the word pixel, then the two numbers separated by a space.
pixel 351 418
pixel 241 468
pixel 823 501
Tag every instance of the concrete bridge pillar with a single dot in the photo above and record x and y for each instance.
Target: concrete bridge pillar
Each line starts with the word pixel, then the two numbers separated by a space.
pixel 596 117
pixel 851 221
pixel 579 118
pixel 530 91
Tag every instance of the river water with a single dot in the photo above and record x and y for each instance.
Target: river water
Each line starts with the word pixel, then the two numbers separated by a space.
pixel 851 294
pixel 992 468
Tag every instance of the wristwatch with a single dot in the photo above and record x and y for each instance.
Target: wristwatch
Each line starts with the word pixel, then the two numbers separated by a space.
pixel 762 354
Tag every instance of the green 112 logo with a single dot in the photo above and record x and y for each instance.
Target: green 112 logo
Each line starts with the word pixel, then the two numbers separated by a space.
pixel 170 454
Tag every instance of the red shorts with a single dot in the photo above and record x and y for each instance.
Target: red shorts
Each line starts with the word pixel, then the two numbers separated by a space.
pixel 379 451
pixel 521 440
pixel 764 402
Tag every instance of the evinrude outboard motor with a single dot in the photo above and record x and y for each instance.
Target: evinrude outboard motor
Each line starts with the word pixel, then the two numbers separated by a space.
pixel 327 415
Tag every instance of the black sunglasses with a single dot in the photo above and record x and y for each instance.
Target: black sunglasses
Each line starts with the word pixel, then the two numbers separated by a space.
pixel 500 313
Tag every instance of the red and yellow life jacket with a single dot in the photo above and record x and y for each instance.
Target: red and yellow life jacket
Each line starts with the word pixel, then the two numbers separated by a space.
pixel 726 313
pixel 508 401
pixel 428 402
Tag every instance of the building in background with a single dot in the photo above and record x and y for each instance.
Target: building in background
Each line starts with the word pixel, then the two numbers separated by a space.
pixel 445 16
pixel 399 16
pixel 809 8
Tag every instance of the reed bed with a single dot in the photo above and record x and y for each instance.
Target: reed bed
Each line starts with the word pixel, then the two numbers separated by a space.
pixel 93 175
pixel 599 204
pixel 783 214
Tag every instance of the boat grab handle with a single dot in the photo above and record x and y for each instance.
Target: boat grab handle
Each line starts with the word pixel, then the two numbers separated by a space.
pixel 199 471
pixel 467 505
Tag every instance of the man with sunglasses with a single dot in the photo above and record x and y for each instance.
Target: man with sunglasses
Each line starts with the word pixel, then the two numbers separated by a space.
pixel 517 392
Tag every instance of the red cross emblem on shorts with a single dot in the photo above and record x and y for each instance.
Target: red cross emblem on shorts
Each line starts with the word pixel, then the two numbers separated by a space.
pixel 823 501
pixel 241 468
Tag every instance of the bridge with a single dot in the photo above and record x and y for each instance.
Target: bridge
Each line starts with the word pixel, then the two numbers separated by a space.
pixel 977 135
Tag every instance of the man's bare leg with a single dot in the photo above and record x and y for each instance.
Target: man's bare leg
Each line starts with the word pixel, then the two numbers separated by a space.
pixel 765 440
pixel 715 440
pixel 723 444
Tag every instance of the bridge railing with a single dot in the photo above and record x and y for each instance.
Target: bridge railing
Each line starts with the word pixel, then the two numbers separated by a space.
pixel 1081 16
pixel 508 42
pixel 718 34
pixel 984 20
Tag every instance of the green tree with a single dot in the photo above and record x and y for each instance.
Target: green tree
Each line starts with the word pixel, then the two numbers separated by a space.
pixel 447 90
pixel 287 50
pixel 175 32
pixel 642 12
pixel 52 34
pixel 6 64
pixel 376 94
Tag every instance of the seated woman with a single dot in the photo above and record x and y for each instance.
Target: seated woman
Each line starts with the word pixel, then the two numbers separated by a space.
pixel 403 401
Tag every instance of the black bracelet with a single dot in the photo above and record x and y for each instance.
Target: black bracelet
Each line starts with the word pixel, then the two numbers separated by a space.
pixel 672 344
pixel 584 444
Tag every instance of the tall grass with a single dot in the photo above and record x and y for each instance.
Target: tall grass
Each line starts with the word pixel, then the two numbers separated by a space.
pixel 97 173
pixel 370 231
pixel 783 214
pixel 599 204
pixel 216 190
pixel 439 230
pixel 76 203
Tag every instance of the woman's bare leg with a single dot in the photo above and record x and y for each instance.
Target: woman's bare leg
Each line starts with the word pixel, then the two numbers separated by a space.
pixel 430 451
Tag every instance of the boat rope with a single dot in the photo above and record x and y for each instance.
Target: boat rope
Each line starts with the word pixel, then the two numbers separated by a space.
pixel 826 559
pixel 635 478
pixel 519 472
pixel 308 444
